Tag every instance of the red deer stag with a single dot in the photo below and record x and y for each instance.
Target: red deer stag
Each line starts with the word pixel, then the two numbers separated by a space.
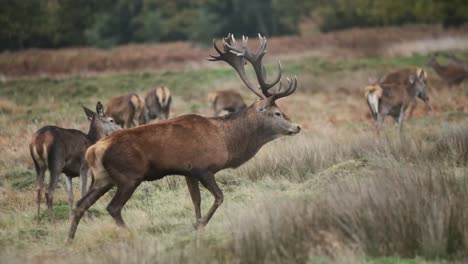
pixel 157 105
pixel 403 77
pixel 125 109
pixel 450 73
pixel 393 99
pixel 193 146
pixel 226 100
pixel 63 150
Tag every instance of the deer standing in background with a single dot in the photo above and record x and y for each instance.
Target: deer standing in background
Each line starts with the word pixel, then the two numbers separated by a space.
pixel 62 150
pixel 125 109
pixel 393 99
pixel 226 100
pixel 456 61
pixel 452 74
pixel 191 145
pixel 403 77
pixel 157 105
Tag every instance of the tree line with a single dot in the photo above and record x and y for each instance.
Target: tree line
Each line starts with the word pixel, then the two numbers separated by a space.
pixel 106 23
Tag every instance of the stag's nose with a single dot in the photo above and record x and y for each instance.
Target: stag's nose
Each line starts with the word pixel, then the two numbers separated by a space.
pixel 294 130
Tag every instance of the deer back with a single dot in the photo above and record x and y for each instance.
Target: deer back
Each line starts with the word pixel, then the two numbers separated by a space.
pixel 123 107
pixel 157 105
pixel 227 100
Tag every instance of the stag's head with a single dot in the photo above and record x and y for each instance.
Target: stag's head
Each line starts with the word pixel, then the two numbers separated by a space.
pixel 267 113
pixel 100 123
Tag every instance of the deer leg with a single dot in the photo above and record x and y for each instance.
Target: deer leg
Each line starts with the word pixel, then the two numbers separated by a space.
pixel 69 186
pixel 40 172
pixel 95 192
pixel 412 107
pixel 194 189
pixel 84 181
pixel 209 183
pixel 54 176
pixel 380 120
pixel 123 194
pixel 130 120
pixel 401 118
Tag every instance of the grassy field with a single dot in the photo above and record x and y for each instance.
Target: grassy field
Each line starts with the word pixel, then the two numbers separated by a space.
pixel 336 193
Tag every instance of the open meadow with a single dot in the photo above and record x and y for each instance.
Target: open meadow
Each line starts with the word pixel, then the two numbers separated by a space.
pixel 335 193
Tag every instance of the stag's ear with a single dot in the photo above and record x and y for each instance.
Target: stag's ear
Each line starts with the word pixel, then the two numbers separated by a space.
pixel 100 109
pixel 89 113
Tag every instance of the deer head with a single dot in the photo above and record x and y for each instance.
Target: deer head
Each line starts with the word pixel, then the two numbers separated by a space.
pixel 267 113
pixel 100 124
pixel 419 84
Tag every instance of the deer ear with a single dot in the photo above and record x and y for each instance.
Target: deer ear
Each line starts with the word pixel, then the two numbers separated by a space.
pixel 89 113
pixel 421 74
pixel 100 109
pixel 412 79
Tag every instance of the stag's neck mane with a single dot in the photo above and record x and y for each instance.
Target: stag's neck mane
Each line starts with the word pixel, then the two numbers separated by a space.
pixel 244 135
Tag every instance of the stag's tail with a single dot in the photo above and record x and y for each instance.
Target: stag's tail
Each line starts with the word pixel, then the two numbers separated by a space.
pixel 373 94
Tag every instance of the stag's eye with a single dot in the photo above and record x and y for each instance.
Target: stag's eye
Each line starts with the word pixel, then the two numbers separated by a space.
pixel 278 114
pixel 111 120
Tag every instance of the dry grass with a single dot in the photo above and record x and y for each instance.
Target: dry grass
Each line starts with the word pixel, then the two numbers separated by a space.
pixel 360 199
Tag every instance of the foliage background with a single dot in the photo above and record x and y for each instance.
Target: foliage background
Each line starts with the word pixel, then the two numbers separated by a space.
pixel 106 23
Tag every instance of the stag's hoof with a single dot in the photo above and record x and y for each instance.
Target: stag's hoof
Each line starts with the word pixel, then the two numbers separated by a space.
pixel 199 224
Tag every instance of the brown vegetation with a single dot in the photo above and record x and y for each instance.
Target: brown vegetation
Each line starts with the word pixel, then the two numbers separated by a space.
pixel 352 43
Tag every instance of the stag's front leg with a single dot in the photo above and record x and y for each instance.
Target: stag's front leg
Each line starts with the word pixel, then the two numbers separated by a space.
pixel 194 189
pixel 209 182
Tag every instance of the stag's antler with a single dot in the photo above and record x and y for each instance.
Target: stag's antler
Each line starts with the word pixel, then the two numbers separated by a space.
pixel 236 56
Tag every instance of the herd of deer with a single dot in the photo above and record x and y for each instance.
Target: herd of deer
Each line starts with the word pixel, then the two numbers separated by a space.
pixel 192 146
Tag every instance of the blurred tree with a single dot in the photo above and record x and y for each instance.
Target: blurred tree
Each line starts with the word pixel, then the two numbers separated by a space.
pixel 105 23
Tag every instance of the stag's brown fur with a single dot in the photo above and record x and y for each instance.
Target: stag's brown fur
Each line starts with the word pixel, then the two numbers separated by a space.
pixel 191 145
pixel 226 100
pixel 125 109
pixel 451 73
pixel 62 150
pixel 157 105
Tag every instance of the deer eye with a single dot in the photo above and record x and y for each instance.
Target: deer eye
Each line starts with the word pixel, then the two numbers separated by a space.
pixel 111 120
pixel 278 114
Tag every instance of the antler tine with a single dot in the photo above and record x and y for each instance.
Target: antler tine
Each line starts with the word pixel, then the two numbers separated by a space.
pixel 235 60
pixel 292 85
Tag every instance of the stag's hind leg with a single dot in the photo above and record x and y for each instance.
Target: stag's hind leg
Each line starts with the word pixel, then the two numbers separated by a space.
pixel 123 194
